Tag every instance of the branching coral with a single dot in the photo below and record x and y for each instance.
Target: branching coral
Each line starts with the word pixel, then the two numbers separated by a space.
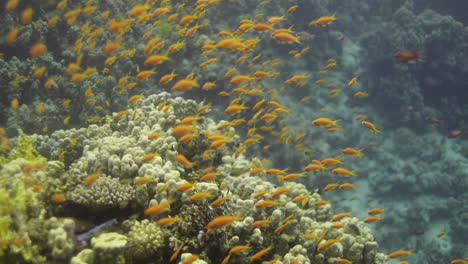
pixel 104 192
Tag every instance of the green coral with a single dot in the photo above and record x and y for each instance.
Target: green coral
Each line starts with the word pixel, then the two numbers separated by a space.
pixel 24 148
pixel 5 220
pixel 17 206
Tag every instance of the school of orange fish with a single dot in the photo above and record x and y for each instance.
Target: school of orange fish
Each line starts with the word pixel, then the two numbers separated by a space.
pixel 253 107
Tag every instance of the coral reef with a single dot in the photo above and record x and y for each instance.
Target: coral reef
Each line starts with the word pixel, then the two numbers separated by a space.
pixel 144 239
pixel 98 164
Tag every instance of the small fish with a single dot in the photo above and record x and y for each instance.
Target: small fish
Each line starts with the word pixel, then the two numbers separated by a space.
pixel 371 219
pixel 142 180
pixel 327 244
pixel 66 120
pixel 91 178
pixel 266 203
pixel 176 254
pixel 343 172
pixel 218 201
pixel 157 209
pixel 352 81
pixel 221 221
pixel 58 198
pixel 165 221
pixel 323 21
pixel 38 49
pixel 375 211
pixel 370 126
pixel 325 122
pixel 260 253
pixel 200 196
pixel 182 160
pixel 14 103
pixel 456 133
pixel 407 56
pixel 260 223
pixel 340 216
pixel 280 191
pixel 400 253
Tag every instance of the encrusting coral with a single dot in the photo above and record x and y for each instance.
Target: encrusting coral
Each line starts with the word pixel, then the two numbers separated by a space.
pixel 172 219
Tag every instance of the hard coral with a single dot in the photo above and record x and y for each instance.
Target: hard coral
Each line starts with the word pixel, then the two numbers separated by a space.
pixel 145 239
pixel 103 193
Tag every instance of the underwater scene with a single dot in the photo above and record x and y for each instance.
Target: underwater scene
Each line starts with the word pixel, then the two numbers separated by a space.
pixel 233 131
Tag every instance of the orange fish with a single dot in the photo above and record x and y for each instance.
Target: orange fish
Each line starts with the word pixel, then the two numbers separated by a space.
pixel 165 221
pixel 279 191
pixel 26 15
pixel 371 219
pixel 184 85
pixel 343 172
pixel 185 186
pixel 11 37
pixel 407 56
pixel 58 197
pixel 400 253
pixel 266 203
pixel 370 126
pixel 327 244
pixel 323 21
pixel 352 152
pixel 200 196
pixel 38 49
pixel 11 5
pixel 340 216
pixel 375 211
pixel 157 209
pixel 149 157
pixel 352 82
pixel 222 221
pixel 260 223
pixel 260 253
pixel 182 160
pixel 325 122
pixel 14 103
pixel 218 201
pixel 182 130
pixel 234 109
pixel 91 178
pixel 346 186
